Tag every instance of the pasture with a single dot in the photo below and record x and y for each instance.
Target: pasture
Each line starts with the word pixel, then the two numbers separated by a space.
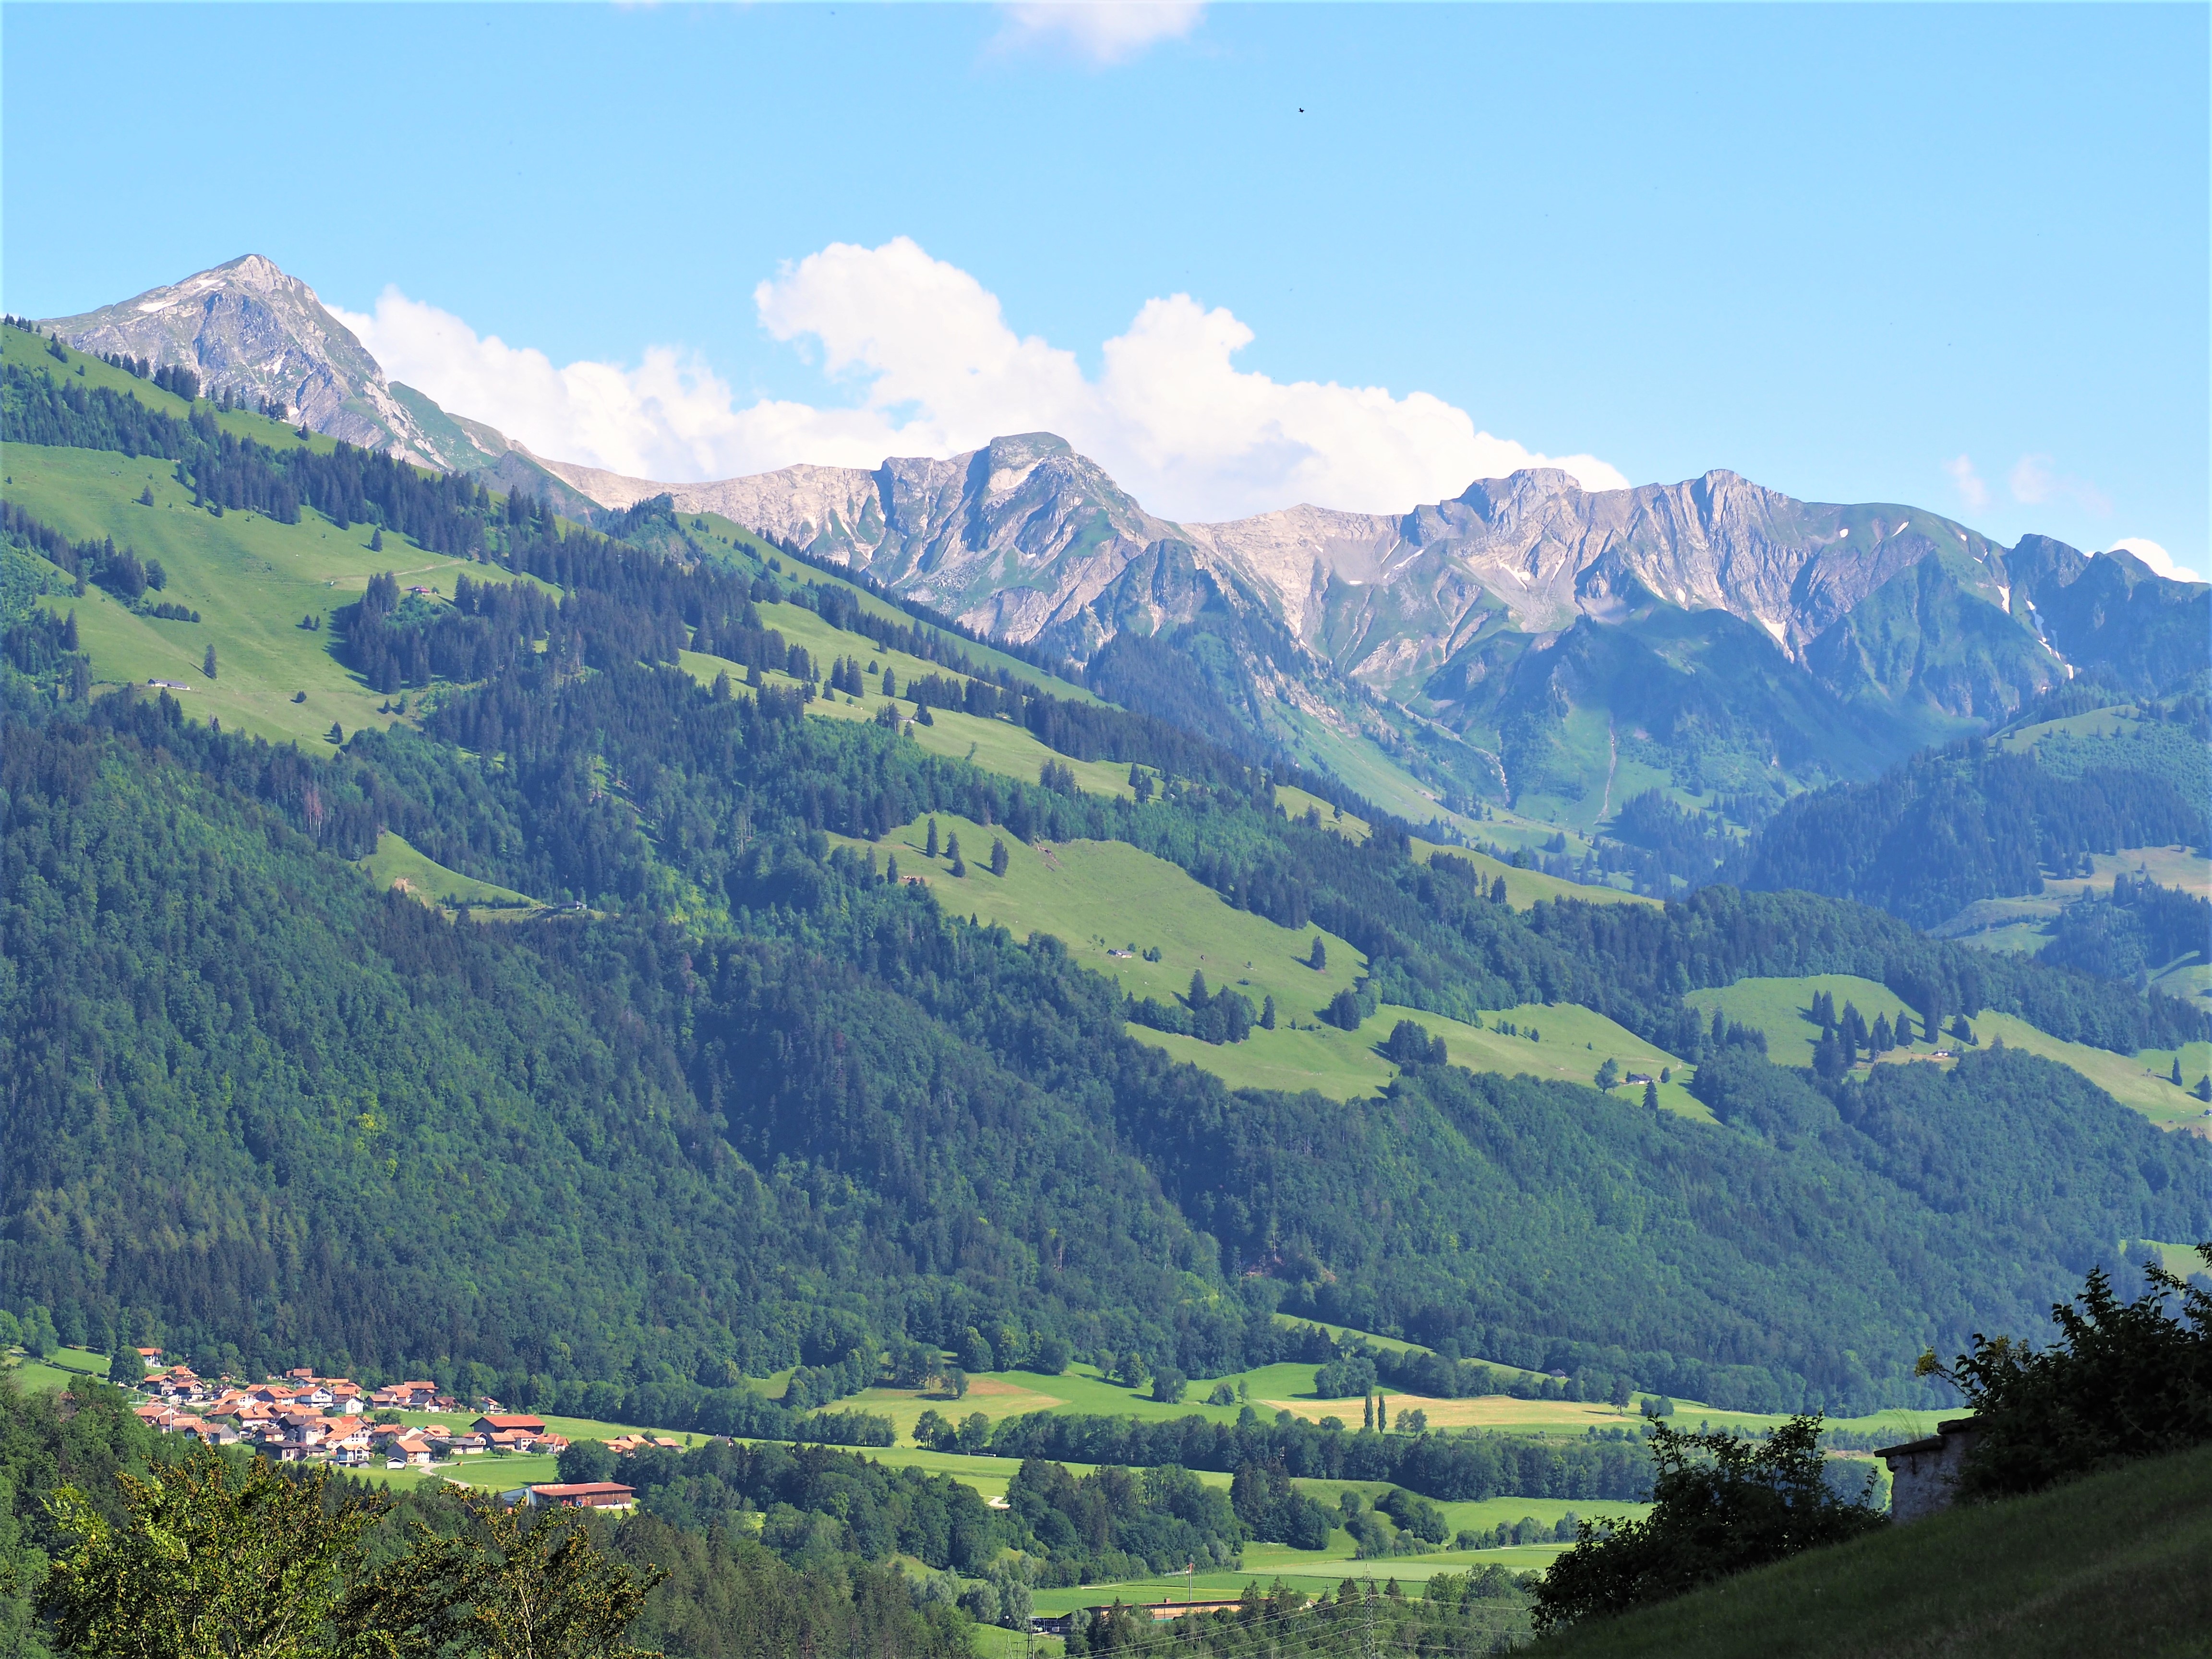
pixel 1112 905
pixel 395 863
pixel 251 579
pixel 1783 1009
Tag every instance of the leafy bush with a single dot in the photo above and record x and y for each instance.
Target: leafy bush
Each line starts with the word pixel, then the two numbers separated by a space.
pixel 1719 1504
pixel 1342 1378
pixel 2125 1380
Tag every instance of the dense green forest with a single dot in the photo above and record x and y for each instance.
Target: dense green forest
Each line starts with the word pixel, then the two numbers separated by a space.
pixel 607 1158
pixel 276 1097
pixel 1952 826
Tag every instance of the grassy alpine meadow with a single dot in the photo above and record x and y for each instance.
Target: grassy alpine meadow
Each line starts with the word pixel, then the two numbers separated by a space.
pixel 2142 1081
pixel 397 863
pixel 1783 1009
pixel 251 579
pixel 994 746
pixel 2109 1564
pixel 1114 906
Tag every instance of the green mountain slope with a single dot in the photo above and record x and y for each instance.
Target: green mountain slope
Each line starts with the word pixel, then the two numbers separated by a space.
pixel 762 1105
pixel 2106 1564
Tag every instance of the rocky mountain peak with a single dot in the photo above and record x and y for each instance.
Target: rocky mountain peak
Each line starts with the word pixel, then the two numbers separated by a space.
pixel 248 327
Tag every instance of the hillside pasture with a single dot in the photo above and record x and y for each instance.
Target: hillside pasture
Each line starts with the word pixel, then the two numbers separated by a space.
pixel 251 579
pixel 1111 904
pixel 396 863
pixel 1783 1009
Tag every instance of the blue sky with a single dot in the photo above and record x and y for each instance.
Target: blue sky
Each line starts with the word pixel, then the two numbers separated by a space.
pixel 1957 257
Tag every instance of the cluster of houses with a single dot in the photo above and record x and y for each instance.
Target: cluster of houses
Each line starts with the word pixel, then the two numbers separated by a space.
pixel 301 1417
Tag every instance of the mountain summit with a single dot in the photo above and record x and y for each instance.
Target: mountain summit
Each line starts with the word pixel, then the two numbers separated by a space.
pixel 1526 639
pixel 247 327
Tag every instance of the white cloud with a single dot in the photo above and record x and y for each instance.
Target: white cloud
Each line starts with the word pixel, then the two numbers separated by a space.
pixel 1971 490
pixel 1105 31
pixel 2035 480
pixel 934 369
pixel 2156 558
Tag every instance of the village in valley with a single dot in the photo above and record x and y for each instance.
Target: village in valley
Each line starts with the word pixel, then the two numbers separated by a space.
pixel 303 1417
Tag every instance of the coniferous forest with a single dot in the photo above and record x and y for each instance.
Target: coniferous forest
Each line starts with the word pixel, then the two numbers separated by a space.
pixel 735 1100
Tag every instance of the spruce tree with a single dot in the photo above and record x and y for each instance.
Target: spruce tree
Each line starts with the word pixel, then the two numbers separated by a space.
pixel 998 857
pixel 2177 1070
pixel 68 633
pixel 1198 993
pixel 929 846
pixel 1651 1096
pixel 1319 957
pixel 1268 1014
pixel 207 663
pixel 376 540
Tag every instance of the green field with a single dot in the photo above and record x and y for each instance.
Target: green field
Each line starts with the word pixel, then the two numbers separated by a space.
pixel 2021 923
pixel 396 864
pixel 251 579
pixel 1109 903
pixel 1782 1009
pixel 2139 1080
pixel 58 1369
pixel 2111 1564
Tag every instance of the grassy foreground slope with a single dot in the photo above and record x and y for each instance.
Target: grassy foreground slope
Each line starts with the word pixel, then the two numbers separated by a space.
pixel 2114 1564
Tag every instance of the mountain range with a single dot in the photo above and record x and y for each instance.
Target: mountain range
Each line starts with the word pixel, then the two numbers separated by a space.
pixel 1528 643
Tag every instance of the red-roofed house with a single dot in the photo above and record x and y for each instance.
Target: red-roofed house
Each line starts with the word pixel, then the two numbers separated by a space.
pixel 507 1422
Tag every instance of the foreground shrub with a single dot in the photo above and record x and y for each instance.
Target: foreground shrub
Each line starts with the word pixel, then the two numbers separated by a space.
pixel 2125 1380
pixel 1719 1504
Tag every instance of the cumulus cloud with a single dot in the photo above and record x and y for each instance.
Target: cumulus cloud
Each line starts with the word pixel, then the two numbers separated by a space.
pixel 1968 482
pixel 2156 558
pixel 1107 31
pixel 2035 480
pixel 932 367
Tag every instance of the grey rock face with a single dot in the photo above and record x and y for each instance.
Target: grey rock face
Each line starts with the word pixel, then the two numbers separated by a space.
pixel 247 327
pixel 1023 536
